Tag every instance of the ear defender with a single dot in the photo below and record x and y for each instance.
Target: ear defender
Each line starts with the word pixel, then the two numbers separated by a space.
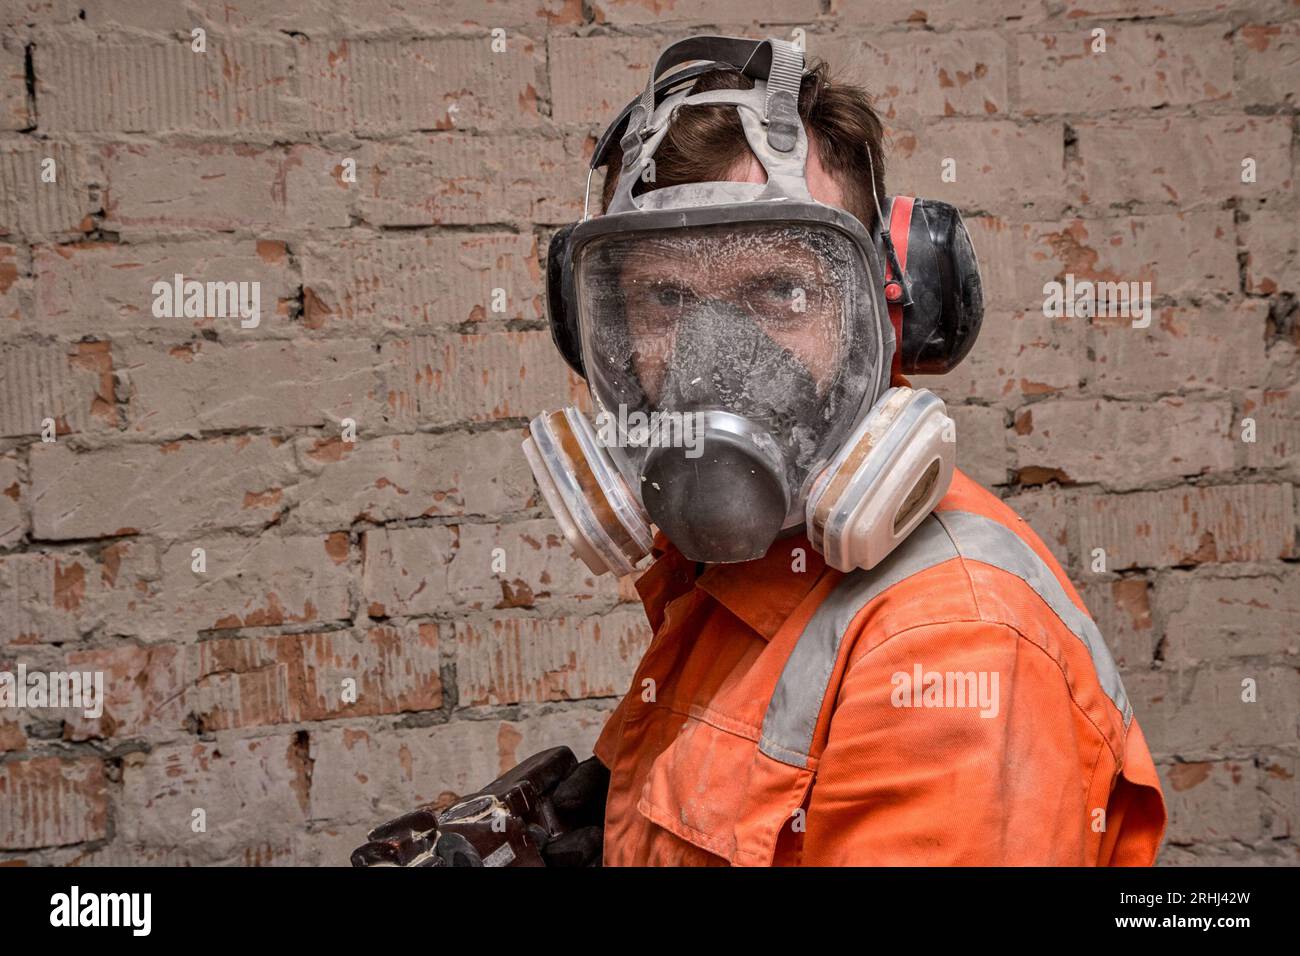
pixel 600 517
pixel 937 306
pixel 889 474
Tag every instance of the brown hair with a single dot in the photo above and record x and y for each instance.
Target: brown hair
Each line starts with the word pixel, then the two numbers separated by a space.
pixel 704 142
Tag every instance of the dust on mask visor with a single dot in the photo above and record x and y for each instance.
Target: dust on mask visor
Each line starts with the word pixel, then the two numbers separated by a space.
pixel 771 322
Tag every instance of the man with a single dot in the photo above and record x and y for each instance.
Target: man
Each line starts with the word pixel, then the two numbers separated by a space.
pixel 860 657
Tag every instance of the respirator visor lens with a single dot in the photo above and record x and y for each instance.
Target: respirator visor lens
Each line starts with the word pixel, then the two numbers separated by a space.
pixel 771 321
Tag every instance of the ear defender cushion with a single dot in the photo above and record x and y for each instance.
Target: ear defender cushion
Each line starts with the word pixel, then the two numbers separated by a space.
pixel 562 298
pixel 943 321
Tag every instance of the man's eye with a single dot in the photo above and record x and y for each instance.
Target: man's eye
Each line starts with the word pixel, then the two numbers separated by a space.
pixel 776 297
pixel 670 296
pixel 780 287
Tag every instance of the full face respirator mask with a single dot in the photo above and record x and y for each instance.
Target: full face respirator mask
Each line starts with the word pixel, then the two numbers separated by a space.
pixel 738 340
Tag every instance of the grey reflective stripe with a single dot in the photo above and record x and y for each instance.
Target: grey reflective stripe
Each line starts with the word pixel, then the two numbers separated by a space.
pixel 985 540
pixel 796 703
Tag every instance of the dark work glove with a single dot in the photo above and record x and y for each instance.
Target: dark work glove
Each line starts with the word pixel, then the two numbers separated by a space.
pixel 576 848
pixel 579 802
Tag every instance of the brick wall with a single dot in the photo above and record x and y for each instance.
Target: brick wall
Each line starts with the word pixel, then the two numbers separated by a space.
pixel 414 558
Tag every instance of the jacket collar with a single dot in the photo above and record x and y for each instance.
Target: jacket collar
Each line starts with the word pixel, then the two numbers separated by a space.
pixel 761 593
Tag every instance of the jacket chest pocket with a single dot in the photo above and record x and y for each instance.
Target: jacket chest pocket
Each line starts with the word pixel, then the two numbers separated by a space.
pixel 713 788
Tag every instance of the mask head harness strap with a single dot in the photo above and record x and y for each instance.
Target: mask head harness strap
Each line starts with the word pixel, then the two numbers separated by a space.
pixel 769 113
pixel 613 133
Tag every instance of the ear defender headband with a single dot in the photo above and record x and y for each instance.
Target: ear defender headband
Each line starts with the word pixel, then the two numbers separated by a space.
pixel 932 279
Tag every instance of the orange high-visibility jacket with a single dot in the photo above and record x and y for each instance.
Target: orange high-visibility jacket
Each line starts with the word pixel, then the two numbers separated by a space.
pixel 955 705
